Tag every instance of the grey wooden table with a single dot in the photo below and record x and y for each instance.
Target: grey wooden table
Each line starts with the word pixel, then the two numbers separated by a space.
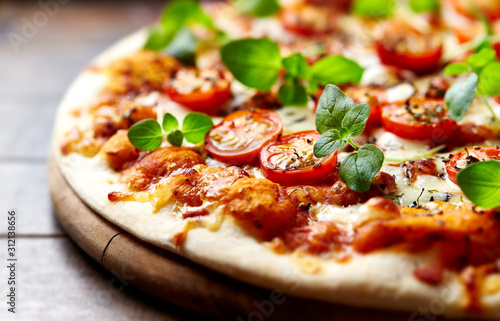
pixel 55 279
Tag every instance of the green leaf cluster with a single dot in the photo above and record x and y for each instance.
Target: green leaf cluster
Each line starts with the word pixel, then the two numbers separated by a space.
pixel 420 6
pixel 480 182
pixel 258 8
pixel 257 63
pixel 483 80
pixel 148 134
pixel 373 8
pixel 338 121
pixel 173 36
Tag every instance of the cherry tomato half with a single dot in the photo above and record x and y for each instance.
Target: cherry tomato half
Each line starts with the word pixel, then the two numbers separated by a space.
pixel 404 47
pixel 240 135
pixel 462 159
pixel 203 90
pixel 419 119
pixel 290 161
pixel 490 8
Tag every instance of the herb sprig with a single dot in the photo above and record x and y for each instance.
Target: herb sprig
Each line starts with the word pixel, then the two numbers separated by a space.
pixel 148 134
pixel 173 35
pixel 338 121
pixel 480 182
pixel 484 80
pixel 257 63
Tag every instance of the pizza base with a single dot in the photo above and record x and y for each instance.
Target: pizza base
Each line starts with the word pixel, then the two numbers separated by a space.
pixel 378 280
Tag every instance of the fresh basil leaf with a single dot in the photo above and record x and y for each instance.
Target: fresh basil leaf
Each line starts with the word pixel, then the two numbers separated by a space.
pixel 146 134
pixel 345 133
pixel 373 8
pixel 170 123
pixel 420 6
pixel 158 38
pixel 489 81
pixel 359 168
pixel 480 182
pixel 292 93
pixel 336 70
pixel 355 119
pixel 456 69
pixel 175 138
pixel 460 96
pixel 296 66
pixel 328 143
pixel 183 47
pixel 195 126
pixel 255 63
pixel 258 8
pixel 333 105
pixel 481 59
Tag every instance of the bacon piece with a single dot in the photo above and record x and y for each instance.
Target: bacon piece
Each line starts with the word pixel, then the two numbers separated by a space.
pixel 414 168
pixel 119 151
pixel 431 274
pixel 159 163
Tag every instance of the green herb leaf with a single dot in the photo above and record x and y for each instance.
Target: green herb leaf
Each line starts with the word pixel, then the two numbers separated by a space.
pixel 146 134
pixel 456 69
pixel 355 120
pixel 175 138
pixel 296 66
pixel 460 96
pixel 292 93
pixel 258 8
pixel 170 123
pixel 480 182
pixel 183 47
pixel 328 143
pixel 420 6
pixel 195 126
pixel 359 168
pixel 158 38
pixel 333 105
pixel 255 63
pixel 373 8
pixel 489 82
pixel 481 59
pixel 336 70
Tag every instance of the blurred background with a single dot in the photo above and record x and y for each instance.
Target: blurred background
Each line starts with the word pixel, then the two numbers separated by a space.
pixel 44 45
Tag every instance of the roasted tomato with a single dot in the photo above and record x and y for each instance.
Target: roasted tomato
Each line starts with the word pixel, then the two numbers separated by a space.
pixel 419 119
pixel 308 20
pixel 290 160
pixel 404 47
pixel 373 96
pixel 240 135
pixel 204 90
pixel 462 159
pixel 490 8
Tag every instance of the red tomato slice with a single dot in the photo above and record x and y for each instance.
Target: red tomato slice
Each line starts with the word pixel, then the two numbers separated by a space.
pixel 290 161
pixel 308 20
pixel 419 119
pixel 204 90
pixel 490 8
pixel 404 47
pixel 239 137
pixel 496 46
pixel 462 159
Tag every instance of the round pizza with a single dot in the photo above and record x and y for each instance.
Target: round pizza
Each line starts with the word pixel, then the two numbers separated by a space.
pixel 343 151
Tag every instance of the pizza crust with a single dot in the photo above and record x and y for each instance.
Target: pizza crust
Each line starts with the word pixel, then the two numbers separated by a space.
pixel 378 280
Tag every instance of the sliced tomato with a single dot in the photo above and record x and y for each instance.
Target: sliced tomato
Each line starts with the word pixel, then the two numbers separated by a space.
pixel 290 161
pixel 419 119
pixel 404 47
pixel 496 46
pixel 373 96
pixel 462 159
pixel 490 8
pixel 239 137
pixel 203 90
pixel 308 20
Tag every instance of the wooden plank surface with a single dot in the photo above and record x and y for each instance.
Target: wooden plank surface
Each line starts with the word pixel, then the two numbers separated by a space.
pixel 56 280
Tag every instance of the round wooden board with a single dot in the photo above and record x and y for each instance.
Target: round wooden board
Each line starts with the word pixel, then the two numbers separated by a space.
pixel 181 282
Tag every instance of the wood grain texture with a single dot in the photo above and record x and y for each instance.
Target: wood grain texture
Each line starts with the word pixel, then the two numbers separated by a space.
pixel 179 281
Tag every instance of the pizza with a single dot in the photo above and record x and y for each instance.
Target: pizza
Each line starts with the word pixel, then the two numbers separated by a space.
pixel 343 151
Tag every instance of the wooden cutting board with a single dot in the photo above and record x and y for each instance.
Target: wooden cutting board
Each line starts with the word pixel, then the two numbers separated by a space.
pixel 181 282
